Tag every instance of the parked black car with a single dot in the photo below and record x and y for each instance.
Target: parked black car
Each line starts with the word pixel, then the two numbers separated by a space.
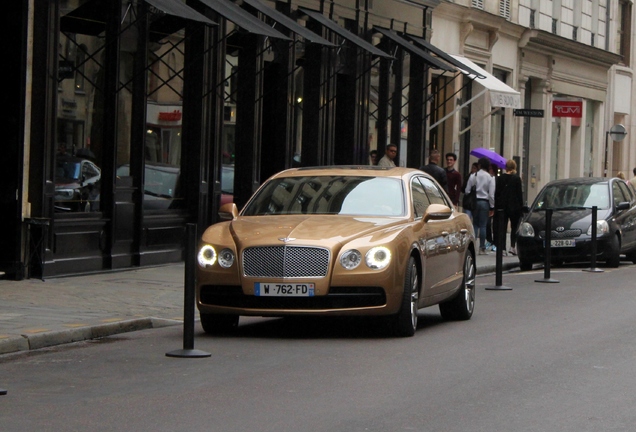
pixel 77 184
pixel 571 201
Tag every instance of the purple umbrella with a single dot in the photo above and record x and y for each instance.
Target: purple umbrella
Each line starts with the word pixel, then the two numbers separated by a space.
pixel 495 158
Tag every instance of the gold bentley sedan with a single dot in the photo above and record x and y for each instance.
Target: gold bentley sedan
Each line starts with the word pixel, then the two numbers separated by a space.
pixel 342 240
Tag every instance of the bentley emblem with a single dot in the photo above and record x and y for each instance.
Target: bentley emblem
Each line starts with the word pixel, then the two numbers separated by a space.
pixel 560 229
pixel 286 239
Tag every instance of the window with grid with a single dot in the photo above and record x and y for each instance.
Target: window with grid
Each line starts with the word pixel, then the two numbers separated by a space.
pixel 479 4
pixel 504 9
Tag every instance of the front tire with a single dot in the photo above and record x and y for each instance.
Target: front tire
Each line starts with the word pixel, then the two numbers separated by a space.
pixel 613 252
pixel 405 322
pixel 461 307
pixel 218 324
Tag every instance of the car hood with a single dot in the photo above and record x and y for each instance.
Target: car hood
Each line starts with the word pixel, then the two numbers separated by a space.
pixel 327 230
pixel 568 219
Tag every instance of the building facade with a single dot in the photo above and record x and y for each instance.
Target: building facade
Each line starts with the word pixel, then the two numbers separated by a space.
pixel 136 117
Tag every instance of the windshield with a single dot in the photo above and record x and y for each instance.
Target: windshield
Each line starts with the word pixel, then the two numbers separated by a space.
pixel 574 196
pixel 344 195
pixel 67 170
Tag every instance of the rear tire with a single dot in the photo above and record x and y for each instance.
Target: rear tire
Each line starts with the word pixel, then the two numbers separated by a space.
pixel 218 324
pixel 461 307
pixel 613 252
pixel 405 322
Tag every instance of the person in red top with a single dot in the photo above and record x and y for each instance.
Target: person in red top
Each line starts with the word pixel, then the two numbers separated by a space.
pixel 454 178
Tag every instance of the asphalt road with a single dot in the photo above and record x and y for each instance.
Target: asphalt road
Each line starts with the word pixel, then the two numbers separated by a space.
pixel 541 357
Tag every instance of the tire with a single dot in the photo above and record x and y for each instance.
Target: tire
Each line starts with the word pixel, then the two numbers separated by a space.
pixel 525 265
pixel 218 324
pixel 613 252
pixel 461 307
pixel 405 322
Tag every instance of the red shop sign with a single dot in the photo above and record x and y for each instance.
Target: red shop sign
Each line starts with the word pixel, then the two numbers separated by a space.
pixel 564 108
pixel 170 116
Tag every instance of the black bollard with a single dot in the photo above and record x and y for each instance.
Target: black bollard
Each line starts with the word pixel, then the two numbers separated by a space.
pixel 3 392
pixel 500 244
pixel 593 267
pixel 548 249
pixel 188 350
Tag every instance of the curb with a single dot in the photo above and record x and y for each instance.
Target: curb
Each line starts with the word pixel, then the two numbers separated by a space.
pixel 487 269
pixel 59 337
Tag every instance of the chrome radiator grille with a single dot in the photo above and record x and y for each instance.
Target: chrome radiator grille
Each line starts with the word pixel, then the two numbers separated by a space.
pixel 285 261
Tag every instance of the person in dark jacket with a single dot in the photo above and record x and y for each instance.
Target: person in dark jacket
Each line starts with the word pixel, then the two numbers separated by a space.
pixel 435 170
pixel 509 198
pixel 454 179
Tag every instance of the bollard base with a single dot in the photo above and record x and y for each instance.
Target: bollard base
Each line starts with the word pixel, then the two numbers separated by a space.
pixel 594 270
pixel 499 288
pixel 188 353
pixel 547 280
pixel 3 392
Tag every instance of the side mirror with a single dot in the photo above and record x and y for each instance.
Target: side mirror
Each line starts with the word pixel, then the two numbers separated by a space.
pixel 437 212
pixel 228 211
pixel 622 206
pixel 525 209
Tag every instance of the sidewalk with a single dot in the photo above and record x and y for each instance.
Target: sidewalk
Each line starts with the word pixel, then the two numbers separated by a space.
pixel 36 314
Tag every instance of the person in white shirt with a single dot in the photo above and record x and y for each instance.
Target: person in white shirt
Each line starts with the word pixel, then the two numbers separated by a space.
pixel 485 188
pixel 389 155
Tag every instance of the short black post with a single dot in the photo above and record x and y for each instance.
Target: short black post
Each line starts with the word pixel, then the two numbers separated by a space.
pixel 548 249
pixel 3 392
pixel 500 243
pixel 593 267
pixel 188 307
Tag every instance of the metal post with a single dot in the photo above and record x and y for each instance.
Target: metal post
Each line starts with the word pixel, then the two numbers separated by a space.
pixel 593 267
pixel 500 242
pixel 188 307
pixel 3 392
pixel 548 249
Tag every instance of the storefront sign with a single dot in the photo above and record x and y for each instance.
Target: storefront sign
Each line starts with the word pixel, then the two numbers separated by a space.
pixel 528 113
pixel 565 108
pixel 170 116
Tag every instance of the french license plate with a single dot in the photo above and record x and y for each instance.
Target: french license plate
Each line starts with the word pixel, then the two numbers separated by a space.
pixel 563 243
pixel 283 290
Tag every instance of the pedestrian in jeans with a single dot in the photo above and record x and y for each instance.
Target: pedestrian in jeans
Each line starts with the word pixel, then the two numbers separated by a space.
pixel 485 190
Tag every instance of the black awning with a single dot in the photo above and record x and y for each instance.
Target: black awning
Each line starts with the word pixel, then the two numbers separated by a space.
pixel 334 27
pixel 90 18
pixel 243 19
pixel 434 62
pixel 439 53
pixel 288 23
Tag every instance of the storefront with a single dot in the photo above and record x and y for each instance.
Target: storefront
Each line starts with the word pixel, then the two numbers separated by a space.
pixel 147 115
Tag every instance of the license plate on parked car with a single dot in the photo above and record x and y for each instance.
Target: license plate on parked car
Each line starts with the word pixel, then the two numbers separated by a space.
pixel 283 290
pixel 563 243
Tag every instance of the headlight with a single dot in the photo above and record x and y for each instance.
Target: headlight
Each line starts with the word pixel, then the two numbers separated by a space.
pixel 351 259
pixel 226 258
pixel 602 227
pixel 206 256
pixel 378 257
pixel 64 193
pixel 526 230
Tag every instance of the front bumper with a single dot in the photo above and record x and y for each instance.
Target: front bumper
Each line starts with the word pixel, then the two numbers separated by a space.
pixel 532 249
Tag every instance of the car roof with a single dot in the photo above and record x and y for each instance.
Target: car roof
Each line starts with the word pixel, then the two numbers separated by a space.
pixel 579 181
pixel 349 170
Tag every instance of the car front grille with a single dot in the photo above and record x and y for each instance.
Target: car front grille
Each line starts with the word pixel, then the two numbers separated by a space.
pixel 286 262
pixel 571 233
pixel 338 298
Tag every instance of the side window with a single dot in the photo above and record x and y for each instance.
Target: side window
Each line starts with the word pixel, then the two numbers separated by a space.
pixel 626 191
pixel 420 199
pixel 433 192
pixel 618 193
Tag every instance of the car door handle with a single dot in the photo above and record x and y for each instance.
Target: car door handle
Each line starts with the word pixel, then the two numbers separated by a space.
pixel 445 233
pixel 463 231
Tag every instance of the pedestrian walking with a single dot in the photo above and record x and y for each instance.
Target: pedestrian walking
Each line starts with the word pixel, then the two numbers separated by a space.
pixel 485 188
pixel 454 179
pixel 509 199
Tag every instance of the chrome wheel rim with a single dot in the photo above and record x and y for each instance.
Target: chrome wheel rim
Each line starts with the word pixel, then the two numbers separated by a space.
pixel 469 283
pixel 414 296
